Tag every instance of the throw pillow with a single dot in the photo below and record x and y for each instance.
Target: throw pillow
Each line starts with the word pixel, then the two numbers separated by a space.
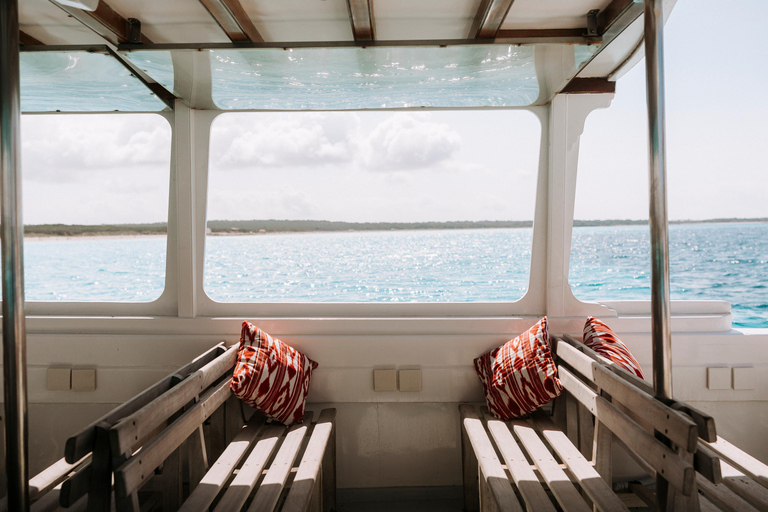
pixel 600 338
pixel 271 376
pixel 519 376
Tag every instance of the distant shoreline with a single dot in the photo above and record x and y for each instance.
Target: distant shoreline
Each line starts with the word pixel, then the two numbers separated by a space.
pixel 255 227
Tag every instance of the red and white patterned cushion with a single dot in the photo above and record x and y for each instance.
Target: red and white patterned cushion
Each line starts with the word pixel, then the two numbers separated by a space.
pixel 600 338
pixel 520 376
pixel 271 376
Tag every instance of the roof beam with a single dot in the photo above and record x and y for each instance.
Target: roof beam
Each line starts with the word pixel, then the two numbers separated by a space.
pixel 27 40
pixel 611 22
pixel 108 23
pixel 490 15
pixel 590 86
pixel 233 20
pixel 549 35
pixel 361 17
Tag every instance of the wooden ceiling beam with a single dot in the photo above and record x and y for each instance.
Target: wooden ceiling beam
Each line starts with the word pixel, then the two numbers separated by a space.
pixel 108 23
pixel 590 86
pixel 233 20
pixel 488 19
pixel 27 40
pixel 361 18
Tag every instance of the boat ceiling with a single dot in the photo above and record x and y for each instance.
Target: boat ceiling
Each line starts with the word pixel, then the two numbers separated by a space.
pixel 561 45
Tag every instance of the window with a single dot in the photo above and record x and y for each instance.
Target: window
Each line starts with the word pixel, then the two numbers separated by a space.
pixel 95 199
pixel 365 206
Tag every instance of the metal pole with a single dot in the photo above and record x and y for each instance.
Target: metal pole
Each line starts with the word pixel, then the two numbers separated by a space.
pixel 14 330
pixel 660 314
pixel 661 338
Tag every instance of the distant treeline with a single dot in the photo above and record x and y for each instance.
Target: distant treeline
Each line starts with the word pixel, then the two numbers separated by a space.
pixel 243 227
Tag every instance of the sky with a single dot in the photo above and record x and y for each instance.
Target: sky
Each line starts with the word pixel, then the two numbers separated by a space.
pixel 437 166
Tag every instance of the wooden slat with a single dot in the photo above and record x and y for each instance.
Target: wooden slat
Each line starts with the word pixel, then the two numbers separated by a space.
pixel 242 485
pixel 590 480
pixel 658 456
pixel 559 483
pixel 523 475
pixel 741 460
pixel 213 481
pixel 488 19
pixel 488 464
pixel 130 475
pixel 233 20
pixel 707 506
pixel 707 463
pixel 127 432
pixel 602 450
pixel 586 432
pixel 723 497
pixel 328 496
pixel 704 422
pixel 679 428
pixel 738 482
pixel 28 40
pixel 361 18
pixel 305 484
pixel 81 444
pixel 644 494
pixel 104 21
pixel 274 481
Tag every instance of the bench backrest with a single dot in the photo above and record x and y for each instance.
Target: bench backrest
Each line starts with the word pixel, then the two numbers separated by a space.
pixel 661 439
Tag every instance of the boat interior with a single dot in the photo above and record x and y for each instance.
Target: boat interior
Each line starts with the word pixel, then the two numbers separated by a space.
pixel 192 61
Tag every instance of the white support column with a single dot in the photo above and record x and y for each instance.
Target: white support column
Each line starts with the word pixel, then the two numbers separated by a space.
pixel 186 225
pixel 568 112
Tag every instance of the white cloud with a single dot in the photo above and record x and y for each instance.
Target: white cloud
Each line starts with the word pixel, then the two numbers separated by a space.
pixel 288 140
pixel 408 141
pixel 64 148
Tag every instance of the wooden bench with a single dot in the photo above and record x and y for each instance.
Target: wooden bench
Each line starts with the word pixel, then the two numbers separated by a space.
pixel 563 460
pixel 176 446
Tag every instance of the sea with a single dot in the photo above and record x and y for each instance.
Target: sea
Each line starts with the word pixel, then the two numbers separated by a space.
pixel 727 261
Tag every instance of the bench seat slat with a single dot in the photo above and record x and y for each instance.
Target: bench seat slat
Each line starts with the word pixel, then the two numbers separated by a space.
pixel 269 491
pixel 740 460
pixel 677 427
pixel 213 481
pixel 488 464
pixel 723 497
pixel 140 467
pixel 306 479
pixel 738 482
pixel 523 475
pixel 561 486
pixel 590 480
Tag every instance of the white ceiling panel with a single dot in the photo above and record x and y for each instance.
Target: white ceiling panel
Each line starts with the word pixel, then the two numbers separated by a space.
pixel 423 19
pixel 172 21
pixel 547 14
pixel 50 25
pixel 300 20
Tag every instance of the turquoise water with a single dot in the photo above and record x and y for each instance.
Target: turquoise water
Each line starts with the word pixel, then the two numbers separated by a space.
pixel 708 261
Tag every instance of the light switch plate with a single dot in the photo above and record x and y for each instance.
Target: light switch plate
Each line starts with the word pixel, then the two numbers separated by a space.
pixel 718 378
pixel 744 378
pixel 385 380
pixel 83 379
pixel 58 379
pixel 410 380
